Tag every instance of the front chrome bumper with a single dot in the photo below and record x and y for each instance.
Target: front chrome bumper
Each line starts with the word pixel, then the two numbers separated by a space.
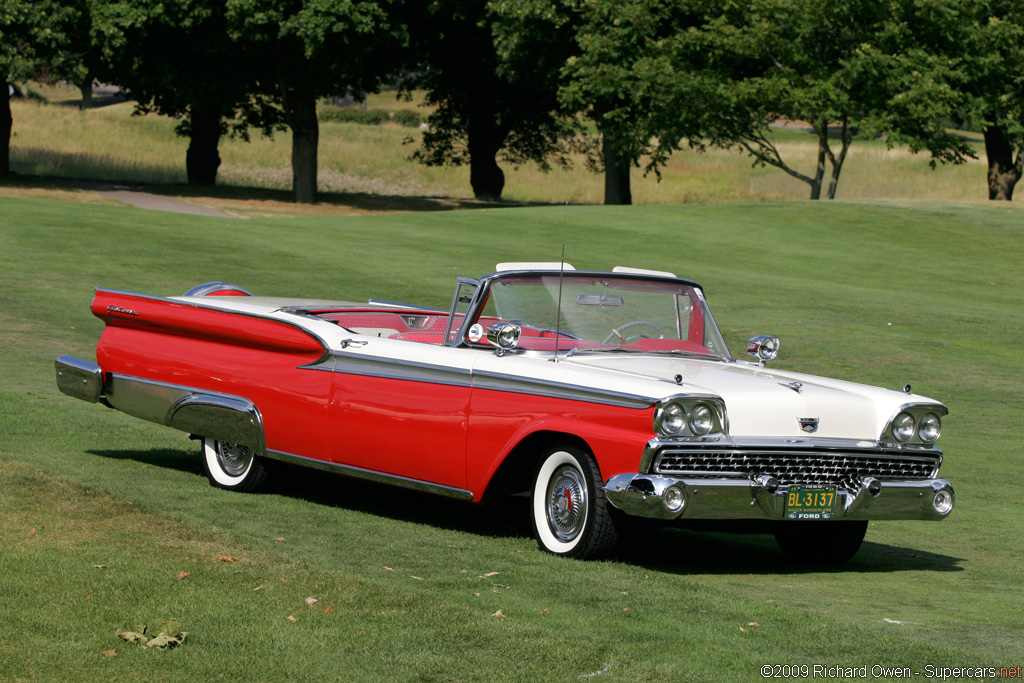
pixel 669 498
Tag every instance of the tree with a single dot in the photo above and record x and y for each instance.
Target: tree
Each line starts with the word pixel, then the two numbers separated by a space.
pixel 609 79
pixel 30 34
pixel 724 73
pixel 985 40
pixel 80 55
pixel 488 103
pixel 835 66
pixel 175 58
pixel 307 49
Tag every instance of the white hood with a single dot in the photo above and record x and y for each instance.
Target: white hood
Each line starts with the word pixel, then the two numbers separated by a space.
pixel 765 402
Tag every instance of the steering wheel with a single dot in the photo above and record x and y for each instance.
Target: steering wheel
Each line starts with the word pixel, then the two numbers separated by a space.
pixel 617 332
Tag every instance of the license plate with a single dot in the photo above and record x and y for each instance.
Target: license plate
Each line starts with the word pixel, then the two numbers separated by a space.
pixel 810 502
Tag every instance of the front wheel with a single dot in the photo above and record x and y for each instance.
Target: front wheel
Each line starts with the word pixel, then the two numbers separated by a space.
pixel 820 543
pixel 571 515
pixel 233 466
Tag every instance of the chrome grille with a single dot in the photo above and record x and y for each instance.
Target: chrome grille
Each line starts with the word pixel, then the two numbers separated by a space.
pixel 794 467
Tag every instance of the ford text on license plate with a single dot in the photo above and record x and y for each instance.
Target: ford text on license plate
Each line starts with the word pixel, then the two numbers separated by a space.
pixel 810 502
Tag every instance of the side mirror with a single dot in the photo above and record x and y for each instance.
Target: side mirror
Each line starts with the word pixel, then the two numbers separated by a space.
pixel 505 336
pixel 764 348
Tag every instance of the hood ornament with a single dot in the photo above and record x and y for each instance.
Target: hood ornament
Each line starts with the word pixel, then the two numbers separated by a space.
pixel 795 386
pixel 808 424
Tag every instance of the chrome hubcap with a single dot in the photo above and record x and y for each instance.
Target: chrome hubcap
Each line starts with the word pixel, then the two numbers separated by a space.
pixel 233 458
pixel 567 503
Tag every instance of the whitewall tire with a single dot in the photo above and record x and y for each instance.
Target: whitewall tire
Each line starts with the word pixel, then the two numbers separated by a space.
pixel 571 515
pixel 232 466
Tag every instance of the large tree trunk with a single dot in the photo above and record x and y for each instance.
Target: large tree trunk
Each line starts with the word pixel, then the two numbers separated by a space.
pixel 616 174
pixel 1004 169
pixel 819 170
pixel 484 142
pixel 300 104
pixel 85 87
pixel 202 159
pixel 6 125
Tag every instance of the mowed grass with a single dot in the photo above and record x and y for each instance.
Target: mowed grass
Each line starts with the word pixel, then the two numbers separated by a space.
pixel 102 514
pixel 109 143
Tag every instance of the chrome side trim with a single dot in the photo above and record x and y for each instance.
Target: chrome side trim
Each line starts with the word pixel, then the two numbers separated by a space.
pixel 371 475
pixel 389 368
pixel 196 411
pixel 79 378
pixel 539 387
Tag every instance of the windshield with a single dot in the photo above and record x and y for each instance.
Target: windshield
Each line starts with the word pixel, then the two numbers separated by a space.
pixel 603 313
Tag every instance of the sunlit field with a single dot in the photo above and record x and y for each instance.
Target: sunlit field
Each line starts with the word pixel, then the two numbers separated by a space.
pixel 107 521
pixel 109 143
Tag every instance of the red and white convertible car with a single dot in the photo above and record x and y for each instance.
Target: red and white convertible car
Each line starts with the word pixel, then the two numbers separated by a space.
pixel 604 395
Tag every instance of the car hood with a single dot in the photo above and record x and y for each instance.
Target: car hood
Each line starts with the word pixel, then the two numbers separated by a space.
pixel 761 401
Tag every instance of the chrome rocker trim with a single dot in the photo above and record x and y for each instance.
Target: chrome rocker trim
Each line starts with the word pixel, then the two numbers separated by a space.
pixel 371 475
pixel 762 497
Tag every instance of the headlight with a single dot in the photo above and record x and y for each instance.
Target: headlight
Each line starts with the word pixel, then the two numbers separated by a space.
pixel 673 418
pixel 903 427
pixel 690 416
pixel 701 420
pixel 929 428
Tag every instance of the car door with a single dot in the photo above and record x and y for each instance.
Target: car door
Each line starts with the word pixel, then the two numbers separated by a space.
pixel 401 408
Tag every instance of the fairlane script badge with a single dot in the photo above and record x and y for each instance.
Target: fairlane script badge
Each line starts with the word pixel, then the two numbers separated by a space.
pixel 117 309
pixel 808 424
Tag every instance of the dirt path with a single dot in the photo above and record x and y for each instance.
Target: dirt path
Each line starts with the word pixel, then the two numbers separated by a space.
pixel 133 196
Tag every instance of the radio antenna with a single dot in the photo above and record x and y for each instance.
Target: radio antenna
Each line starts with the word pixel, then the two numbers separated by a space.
pixel 561 277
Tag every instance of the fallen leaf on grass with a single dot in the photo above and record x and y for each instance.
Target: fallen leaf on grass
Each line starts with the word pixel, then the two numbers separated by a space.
pixel 132 636
pixel 291 618
pixel 489 574
pixel 258 587
pixel 167 640
pixel 743 629
pixel 227 558
pixel 753 623
pixel 110 653
pixel 311 601
pixel 169 636
pixel 499 613
pixel 328 609
pixel 416 577
pixel 543 611
pixel 183 575
pixel 388 569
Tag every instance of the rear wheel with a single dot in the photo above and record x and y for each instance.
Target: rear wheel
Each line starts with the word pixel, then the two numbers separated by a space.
pixel 820 542
pixel 233 466
pixel 571 515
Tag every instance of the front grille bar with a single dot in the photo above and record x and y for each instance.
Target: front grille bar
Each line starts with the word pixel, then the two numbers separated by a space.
pixel 801 467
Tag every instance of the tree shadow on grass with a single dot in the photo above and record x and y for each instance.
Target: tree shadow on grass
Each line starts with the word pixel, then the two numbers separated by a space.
pixel 661 548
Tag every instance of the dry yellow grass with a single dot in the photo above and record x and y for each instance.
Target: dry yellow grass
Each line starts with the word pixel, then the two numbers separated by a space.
pixel 110 143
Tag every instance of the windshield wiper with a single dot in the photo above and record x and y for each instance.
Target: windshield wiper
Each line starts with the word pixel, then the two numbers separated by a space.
pixel 604 349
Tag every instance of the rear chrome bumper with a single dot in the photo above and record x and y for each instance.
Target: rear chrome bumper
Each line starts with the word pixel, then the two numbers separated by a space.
pixel 763 497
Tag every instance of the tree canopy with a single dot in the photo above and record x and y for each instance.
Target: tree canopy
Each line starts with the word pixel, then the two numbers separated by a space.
pixel 516 81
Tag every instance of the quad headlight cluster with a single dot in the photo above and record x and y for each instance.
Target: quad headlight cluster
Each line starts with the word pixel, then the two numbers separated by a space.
pixel 689 417
pixel 919 425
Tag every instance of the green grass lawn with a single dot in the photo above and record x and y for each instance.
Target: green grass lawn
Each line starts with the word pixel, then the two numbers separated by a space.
pixel 107 522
